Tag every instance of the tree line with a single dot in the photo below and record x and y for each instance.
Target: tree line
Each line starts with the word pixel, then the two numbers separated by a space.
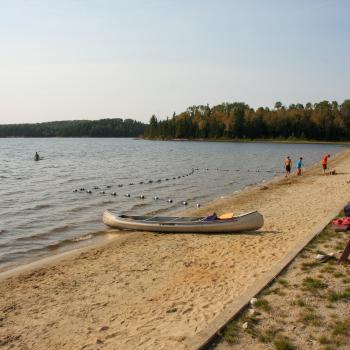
pixel 76 128
pixel 328 121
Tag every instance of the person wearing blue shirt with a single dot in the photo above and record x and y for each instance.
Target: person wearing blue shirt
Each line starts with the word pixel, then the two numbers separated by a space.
pixel 299 165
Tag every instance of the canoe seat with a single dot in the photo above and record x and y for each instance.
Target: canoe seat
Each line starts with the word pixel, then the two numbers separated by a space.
pixel 226 216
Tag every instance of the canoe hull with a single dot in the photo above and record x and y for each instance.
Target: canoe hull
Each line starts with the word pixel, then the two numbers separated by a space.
pixel 246 222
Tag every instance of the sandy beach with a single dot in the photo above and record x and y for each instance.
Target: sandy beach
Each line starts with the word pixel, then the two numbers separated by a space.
pixel 156 291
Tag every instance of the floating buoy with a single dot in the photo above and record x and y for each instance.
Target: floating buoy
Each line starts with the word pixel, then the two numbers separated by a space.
pixel 114 193
pixel 127 195
pixel 184 203
pixel 155 198
pixel 142 196
pixel 170 200
pixel 198 205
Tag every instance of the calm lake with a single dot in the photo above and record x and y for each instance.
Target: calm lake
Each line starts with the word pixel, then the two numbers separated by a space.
pixel 40 213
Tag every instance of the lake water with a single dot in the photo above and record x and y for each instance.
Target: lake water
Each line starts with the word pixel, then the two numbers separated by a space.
pixel 40 212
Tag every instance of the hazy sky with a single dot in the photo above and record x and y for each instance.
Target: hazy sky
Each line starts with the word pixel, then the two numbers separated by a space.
pixel 87 59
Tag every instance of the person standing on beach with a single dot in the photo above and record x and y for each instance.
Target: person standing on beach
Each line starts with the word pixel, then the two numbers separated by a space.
pixel 288 165
pixel 299 165
pixel 324 162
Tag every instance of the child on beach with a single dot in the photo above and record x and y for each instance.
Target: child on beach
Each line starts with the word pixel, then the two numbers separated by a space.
pixel 288 165
pixel 299 165
pixel 324 162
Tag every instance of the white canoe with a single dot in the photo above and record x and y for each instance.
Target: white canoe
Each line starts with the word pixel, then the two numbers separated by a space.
pixel 246 222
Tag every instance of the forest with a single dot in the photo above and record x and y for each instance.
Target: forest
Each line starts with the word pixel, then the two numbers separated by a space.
pixel 323 121
pixel 76 128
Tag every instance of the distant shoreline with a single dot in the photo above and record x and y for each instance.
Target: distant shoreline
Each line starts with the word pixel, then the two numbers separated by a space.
pixel 346 143
pixel 286 141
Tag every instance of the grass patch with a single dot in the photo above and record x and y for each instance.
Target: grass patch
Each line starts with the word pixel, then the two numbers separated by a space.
pixel 269 335
pixel 313 285
pixel 338 274
pixel 328 269
pixel 310 318
pixel 298 302
pixel 339 246
pixel 283 282
pixel 336 296
pixel 342 327
pixel 324 340
pixel 306 266
pixel 263 304
pixel 231 333
pixel 284 344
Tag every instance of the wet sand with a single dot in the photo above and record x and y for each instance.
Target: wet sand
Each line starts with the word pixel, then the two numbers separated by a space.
pixel 155 291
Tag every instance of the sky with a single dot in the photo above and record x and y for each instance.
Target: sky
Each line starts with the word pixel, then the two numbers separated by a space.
pixel 85 59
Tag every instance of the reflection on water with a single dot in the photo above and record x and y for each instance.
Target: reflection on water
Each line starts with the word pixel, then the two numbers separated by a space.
pixel 59 200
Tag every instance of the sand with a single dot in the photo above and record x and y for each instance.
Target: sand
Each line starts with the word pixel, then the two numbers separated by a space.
pixel 155 291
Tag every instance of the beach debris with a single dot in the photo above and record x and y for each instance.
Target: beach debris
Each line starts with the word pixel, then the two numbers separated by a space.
pixel 263 188
pixel 104 328
pixel 99 341
pixel 252 312
pixel 324 257
pixel 253 301
pixel 184 203
pixel 155 198
pixel 245 325
pixel 173 309
pixel 198 205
